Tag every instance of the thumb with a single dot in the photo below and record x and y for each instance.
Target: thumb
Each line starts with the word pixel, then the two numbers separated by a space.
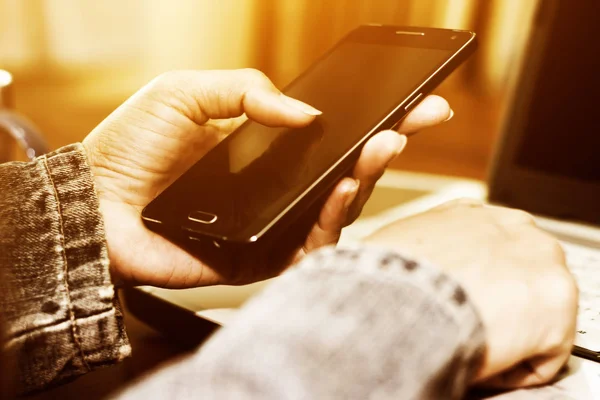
pixel 222 94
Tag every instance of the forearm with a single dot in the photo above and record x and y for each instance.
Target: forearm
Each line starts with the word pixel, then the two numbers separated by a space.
pixel 344 324
pixel 58 305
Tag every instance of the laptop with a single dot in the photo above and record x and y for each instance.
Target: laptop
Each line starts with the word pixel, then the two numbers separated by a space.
pixel 548 159
pixel 547 162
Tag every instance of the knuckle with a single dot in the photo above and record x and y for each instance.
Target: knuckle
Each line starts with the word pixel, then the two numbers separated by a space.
pixel 512 216
pixel 522 217
pixel 467 202
pixel 180 90
pixel 183 79
pixel 167 78
pixel 559 289
pixel 166 84
pixel 559 292
pixel 559 341
pixel 253 75
pixel 550 246
pixel 557 251
pixel 547 374
pixel 460 204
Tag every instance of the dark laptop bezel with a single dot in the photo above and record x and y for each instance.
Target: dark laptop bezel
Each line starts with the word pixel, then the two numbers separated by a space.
pixel 516 186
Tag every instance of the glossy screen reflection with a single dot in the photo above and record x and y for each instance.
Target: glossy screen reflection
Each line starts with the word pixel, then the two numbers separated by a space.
pixel 257 171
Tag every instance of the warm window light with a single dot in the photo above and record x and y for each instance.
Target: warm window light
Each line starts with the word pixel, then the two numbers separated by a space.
pixel 5 78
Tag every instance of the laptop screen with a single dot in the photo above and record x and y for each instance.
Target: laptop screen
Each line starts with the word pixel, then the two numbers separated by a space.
pixel 548 160
pixel 562 124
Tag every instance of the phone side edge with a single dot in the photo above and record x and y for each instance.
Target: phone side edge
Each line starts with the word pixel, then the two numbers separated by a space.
pixel 459 57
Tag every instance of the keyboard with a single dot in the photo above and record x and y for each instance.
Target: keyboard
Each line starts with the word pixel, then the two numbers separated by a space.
pixel 584 263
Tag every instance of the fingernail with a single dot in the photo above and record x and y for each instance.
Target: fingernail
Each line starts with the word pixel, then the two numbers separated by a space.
pixel 402 145
pixel 301 106
pixel 449 116
pixel 351 189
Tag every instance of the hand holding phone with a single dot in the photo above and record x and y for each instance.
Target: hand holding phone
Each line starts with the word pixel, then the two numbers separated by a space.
pixel 164 129
pixel 263 180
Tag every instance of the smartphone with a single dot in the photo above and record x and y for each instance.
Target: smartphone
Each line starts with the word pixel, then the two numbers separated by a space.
pixel 260 181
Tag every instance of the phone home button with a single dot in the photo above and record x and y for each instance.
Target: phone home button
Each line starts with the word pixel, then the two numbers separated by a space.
pixel 202 217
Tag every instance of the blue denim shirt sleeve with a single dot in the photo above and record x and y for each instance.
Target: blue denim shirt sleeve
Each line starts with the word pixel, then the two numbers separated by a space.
pixel 59 308
pixel 345 323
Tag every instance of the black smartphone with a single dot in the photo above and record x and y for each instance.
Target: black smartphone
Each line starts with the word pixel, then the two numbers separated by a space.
pixel 259 181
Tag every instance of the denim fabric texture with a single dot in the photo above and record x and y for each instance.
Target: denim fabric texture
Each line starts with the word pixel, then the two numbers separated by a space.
pixel 59 308
pixel 345 323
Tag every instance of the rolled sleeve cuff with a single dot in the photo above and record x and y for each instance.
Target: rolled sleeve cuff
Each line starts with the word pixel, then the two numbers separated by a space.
pixel 64 317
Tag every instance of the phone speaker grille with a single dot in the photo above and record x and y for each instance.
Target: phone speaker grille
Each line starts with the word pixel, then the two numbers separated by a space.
pixel 410 33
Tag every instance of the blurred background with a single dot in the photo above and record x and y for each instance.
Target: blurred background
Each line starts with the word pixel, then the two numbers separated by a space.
pixel 75 61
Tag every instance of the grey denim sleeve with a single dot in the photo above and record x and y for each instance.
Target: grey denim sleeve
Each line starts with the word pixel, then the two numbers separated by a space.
pixel 60 312
pixel 343 324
